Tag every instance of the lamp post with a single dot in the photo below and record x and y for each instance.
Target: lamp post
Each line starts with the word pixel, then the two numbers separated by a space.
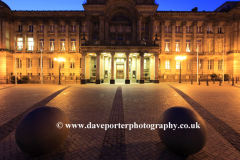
pixel 180 58
pixel 59 61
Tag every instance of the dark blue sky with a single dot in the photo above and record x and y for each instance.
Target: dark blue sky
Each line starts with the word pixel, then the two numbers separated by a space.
pixel 164 5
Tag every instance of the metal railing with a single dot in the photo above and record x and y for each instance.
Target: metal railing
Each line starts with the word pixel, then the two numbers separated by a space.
pixel 118 43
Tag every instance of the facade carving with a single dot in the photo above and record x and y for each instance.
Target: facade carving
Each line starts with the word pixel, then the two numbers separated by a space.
pixel 119 40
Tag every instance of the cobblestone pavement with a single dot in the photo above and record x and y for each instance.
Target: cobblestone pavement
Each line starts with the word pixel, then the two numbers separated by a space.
pixel 140 104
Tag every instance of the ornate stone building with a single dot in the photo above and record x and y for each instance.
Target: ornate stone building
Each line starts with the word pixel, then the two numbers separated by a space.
pixel 119 40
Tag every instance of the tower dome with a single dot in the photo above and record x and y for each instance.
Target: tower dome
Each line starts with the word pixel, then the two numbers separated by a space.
pixel 4 5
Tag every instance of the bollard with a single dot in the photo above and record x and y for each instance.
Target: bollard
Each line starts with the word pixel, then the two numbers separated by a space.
pixel 207 82
pixel 213 80
pixel 191 81
pixel 232 81
pixel 228 80
pixel 199 81
pixel 220 82
pixel 236 79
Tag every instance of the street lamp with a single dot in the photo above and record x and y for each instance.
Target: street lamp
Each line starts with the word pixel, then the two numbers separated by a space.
pixel 59 61
pixel 180 58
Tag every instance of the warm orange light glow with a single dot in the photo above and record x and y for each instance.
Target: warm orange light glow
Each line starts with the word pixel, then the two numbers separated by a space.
pixel 180 58
pixel 59 59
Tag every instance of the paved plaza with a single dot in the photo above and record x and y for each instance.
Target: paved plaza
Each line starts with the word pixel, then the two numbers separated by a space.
pixel 119 103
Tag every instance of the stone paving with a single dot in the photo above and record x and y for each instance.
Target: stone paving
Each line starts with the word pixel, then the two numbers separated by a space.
pixel 140 103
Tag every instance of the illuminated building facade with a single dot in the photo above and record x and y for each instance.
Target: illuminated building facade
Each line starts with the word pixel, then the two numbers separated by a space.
pixel 113 41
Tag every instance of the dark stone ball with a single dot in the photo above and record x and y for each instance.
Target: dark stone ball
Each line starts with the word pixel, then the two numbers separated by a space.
pixel 37 133
pixel 183 141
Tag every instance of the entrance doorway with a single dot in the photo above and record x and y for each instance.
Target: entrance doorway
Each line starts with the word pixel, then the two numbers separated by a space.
pixel 120 71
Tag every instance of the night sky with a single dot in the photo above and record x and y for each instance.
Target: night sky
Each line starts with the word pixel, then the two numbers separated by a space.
pixel 164 5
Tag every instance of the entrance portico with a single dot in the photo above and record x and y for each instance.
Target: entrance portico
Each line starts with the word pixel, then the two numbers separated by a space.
pixel 107 67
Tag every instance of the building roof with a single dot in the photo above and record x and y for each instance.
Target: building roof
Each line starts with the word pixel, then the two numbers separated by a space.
pixel 4 5
pixel 227 6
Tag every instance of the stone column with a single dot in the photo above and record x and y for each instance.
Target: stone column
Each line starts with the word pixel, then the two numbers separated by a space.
pixel 67 38
pixel 24 30
pixel 35 39
pixel 183 44
pixel 77 36
pixel 127 80
pixel 106 29
pixel 139 23
pixel 112 80
pixel 56 48
pixel 156 80
pixel 235 36
pixel 45 34
pixel 101 27
pixel 98 81
pixel 134 33
pixel 205 37
pixel 83 78
pixel 151 29
pixel 162 36
pixel 88 27
pixel 215 39
pixel 173 45
pixel 194 46
pixel 141 68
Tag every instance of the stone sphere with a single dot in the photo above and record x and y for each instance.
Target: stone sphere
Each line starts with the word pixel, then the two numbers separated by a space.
pixel 183 141
pixel 37 133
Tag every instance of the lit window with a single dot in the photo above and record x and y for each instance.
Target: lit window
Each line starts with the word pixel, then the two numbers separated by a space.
pixel 189 64
pixel 52 44
pixel 188 29
pixel 220 30
pixel 177 29
pixel 62 44
pixel 30 44
pixel 62 28
pixel 188 45
pixel 210 45
pixel 29 63
pixel 209 29
pixel 200 64
pixel 177 45
pixel 84 28
pixel 73 45
pixel 30 28
pixel 39 62
pixel 199 29
pixel 73 28
pixel 52 28
pixel 50 62
pixel 145 64
pixel 19 63
pixel 61 64
pixel 167 45
pixel 144 26
pixel 210 64
pixel 177 64
pixel 220 47
pixel 220 64
pixel 199 46
pixel 41 44
pixel 19 44
pixel 72 63
pixel 167 64
pixel 120 28
pixel 41 28
pixel 156 29
pixel 19 28
pixel 167 29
